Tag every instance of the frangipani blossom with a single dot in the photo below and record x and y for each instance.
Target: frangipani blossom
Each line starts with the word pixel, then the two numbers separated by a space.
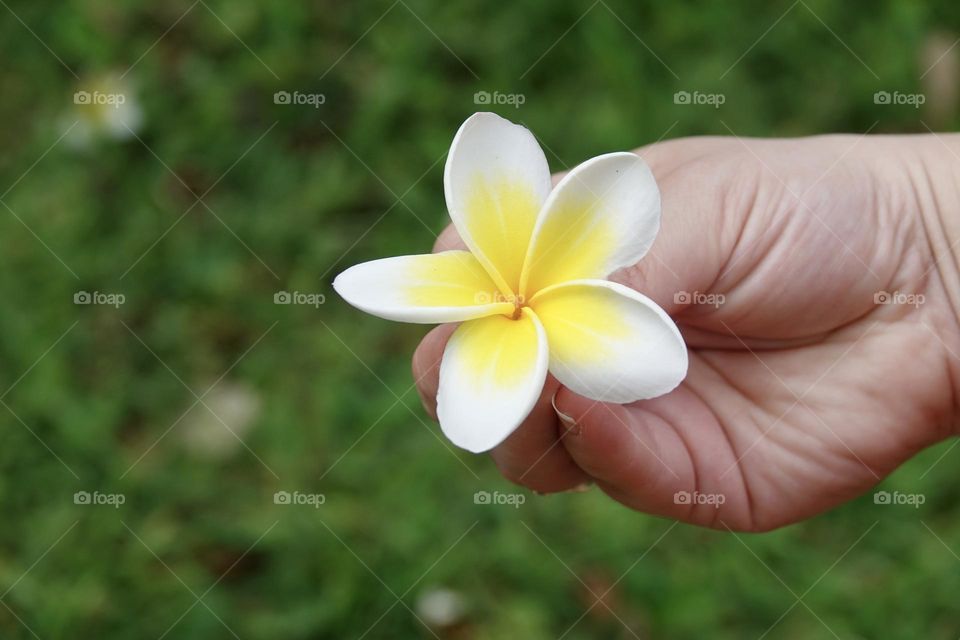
pixel 530 292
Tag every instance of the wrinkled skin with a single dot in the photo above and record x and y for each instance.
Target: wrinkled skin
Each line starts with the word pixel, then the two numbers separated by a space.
pixel 802 392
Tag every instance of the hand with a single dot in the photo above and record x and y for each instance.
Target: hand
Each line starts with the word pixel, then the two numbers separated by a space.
pixel 806 387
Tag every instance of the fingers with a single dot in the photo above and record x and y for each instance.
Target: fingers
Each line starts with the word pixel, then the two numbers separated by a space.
pixel 426 365
pixel 532 456
pixel 624 450
pixel 655 455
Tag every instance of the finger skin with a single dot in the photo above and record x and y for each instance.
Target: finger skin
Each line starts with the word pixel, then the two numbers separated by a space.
pixel 448 240
pixel 622 452
pixel 426 365
pixel 640 457
pixel 533 457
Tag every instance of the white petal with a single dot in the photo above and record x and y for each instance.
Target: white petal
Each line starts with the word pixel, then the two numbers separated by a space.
pixel 603 215
pixel 491 375
pixel 496 180
pixel 439 287
pixel 610 343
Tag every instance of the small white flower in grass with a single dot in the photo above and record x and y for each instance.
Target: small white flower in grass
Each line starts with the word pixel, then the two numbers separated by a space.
pixel 441 607
pixel 217 427
pixel 104 107
pixel 531 292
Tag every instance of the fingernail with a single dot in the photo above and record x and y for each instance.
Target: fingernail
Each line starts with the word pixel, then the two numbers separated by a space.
pixel 568 423
pixel 581 488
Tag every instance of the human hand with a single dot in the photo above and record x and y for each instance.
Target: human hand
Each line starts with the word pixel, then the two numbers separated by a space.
pixel 805 387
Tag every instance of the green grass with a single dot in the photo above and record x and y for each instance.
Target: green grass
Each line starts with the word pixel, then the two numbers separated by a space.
pixel 317 192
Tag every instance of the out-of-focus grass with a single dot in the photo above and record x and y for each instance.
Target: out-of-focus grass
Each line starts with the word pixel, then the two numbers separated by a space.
pixel 106 399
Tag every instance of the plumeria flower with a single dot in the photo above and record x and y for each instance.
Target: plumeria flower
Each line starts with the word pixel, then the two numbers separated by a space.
pixel 530 292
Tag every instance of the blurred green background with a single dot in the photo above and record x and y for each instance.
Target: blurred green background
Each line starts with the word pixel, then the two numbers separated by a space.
pixel 198 398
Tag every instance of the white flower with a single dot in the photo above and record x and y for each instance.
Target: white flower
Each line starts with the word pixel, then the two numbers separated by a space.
pixel 218 426
pixel 530 291
pixel 440 607
pixel 104 107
